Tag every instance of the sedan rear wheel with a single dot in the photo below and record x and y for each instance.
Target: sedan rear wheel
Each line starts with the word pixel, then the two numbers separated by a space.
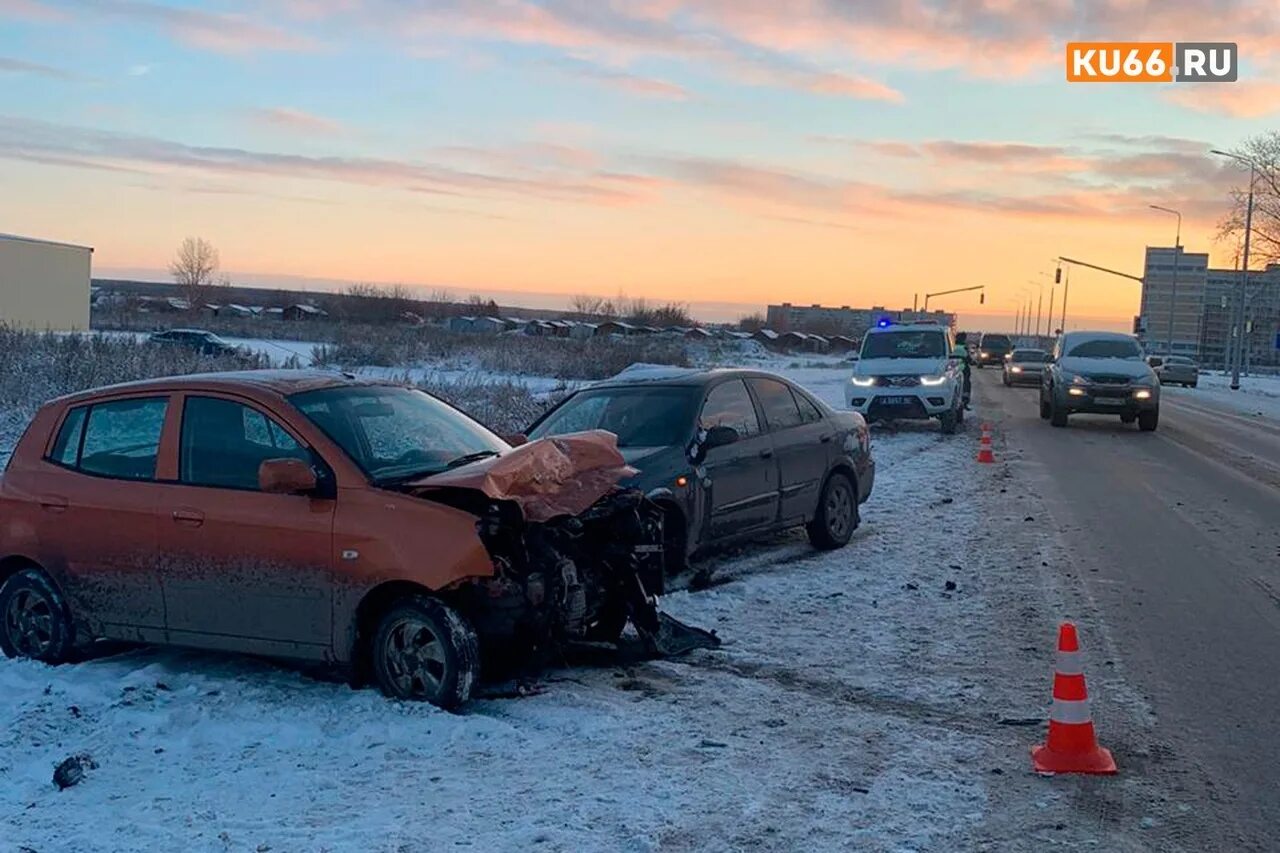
pixel 36 623
pixel 426 651
pixel 837 516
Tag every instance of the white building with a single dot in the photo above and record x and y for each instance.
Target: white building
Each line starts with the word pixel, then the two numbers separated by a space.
pixel 44 284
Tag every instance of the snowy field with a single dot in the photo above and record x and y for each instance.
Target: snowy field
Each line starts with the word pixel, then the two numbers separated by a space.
pixel 1258 396
pixel 880 697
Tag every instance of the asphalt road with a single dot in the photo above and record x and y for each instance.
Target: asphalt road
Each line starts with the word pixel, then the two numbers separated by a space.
pixel 1177 537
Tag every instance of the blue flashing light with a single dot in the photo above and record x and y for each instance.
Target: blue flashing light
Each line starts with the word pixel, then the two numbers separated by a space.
pixel 884 322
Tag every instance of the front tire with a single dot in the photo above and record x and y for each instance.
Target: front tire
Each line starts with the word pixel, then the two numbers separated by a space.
pixel 426 651
pixel 949 421
pixel 1057 414
pixel 1045 409
pixel 35 622
pixel 837 515
pixel 1148 421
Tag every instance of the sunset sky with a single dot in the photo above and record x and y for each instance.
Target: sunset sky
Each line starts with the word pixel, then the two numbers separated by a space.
pixel 706 151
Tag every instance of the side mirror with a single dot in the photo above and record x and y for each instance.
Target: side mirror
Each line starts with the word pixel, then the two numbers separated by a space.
pixel 516 439
pixel 719 436
pixel 286 477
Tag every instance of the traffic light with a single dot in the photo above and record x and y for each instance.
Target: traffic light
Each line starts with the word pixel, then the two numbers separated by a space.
pixel 1057 276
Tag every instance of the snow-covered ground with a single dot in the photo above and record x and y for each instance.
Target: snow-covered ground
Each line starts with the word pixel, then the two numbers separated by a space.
pixel 1258 396
pixel 872 698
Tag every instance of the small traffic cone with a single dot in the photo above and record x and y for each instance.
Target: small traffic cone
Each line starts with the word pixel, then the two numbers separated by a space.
pixel 985 456
pixel 1072 746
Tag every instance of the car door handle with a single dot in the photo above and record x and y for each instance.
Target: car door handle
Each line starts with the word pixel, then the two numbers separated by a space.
pixel 53 503
pixel 189 517
pixel 766 454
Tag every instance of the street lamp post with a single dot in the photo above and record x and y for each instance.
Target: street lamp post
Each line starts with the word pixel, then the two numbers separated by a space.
pixel 1177 256
pixel 1237 315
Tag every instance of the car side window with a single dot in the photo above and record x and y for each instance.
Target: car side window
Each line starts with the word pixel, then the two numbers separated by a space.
pixel 780 409
pixel 224 442
pixel 729 404
pixel 122 438
pixel 808 411
pixel 66 447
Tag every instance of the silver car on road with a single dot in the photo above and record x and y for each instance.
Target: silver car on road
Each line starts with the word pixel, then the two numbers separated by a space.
pixel 1175 370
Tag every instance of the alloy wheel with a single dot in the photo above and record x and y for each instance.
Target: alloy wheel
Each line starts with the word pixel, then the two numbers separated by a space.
pixel 28 623
pixel 415 659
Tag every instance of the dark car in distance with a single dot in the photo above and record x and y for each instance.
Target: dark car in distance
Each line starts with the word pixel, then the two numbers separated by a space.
pixel 993 348
pixel 199 340
pixel 729 453
pixel 1100 373
pixel 1025 367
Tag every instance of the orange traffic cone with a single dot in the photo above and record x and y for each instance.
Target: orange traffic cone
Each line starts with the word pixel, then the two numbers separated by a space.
pixel 985 456
pixel 1072 746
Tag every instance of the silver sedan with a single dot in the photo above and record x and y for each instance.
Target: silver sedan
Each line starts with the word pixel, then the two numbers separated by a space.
pixel 1176 370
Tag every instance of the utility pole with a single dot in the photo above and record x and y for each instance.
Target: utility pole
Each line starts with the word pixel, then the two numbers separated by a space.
pixel 1177 257
pixel 1237 315
pixel 1039 306
pixel 1048 326
pixel 1066 288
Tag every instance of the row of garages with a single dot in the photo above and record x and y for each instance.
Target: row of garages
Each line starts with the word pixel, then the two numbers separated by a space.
pixel 580 330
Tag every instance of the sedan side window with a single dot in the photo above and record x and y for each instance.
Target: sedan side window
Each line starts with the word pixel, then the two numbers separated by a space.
pixel 66 448
pixel 730 405
pixel 224 442
pixel 122 438
pixel 780 409
pixel 808 411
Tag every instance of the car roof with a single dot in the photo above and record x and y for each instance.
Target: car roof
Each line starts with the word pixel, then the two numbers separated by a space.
pixel 906 327
pixel 1076 337
pixel 271 382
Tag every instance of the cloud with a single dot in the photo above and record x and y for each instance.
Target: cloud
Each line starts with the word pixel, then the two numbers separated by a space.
pixel 635 84
pixel 287 118
pixel 140 70
pixel 214 31
pixel 1244 99
pixel 19 66
pixel 29 10
pixel 27 139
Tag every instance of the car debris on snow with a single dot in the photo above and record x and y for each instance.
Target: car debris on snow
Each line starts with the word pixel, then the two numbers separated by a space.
pixel 72 770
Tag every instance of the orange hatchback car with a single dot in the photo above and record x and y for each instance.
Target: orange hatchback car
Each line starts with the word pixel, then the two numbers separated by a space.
pixel 309 515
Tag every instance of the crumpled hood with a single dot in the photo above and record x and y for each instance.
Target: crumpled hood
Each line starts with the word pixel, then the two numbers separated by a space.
pixel 900 367
pixel 1131 368
pixel 559 475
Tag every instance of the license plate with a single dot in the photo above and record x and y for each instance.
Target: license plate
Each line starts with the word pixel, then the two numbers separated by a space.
pixel 1109 401
pixel 893 401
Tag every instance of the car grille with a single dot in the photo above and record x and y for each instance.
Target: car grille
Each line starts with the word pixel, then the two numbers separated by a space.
pixel 1109 380
pixel 899 381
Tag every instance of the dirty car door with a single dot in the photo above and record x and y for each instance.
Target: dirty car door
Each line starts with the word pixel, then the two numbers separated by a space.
pixel 802 442
pixel 243 569
pixel 740 479
pixel 98 513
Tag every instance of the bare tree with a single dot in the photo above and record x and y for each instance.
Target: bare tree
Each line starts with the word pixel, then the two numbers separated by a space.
pixel 752 322
pixel 586 306
pixel 194 269
pixel 1264 151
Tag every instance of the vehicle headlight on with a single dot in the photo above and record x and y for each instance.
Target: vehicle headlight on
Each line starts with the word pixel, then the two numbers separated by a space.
pixel 1076 392
pixel 1142 394
pixel 1015 369
pixel 864 381
pixel 932 380
pixel 982 353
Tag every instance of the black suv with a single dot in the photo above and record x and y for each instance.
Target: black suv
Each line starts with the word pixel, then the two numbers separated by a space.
pixel 993 348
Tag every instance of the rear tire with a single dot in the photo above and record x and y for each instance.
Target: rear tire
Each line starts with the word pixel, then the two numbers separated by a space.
pixel 837 515
pixel 425 651
pixel 1148 421
pixel 35 622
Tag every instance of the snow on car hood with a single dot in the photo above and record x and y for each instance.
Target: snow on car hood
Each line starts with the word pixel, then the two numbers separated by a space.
pixel 559 475
pixel 637 455
pixel 1132 368
pixel 900 367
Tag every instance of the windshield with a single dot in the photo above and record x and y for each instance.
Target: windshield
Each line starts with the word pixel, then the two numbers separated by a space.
pixel 640 417
pixel 921 344
pixel 995 342
pixel 396 433
pixel 1030 356
pixel 1106 348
